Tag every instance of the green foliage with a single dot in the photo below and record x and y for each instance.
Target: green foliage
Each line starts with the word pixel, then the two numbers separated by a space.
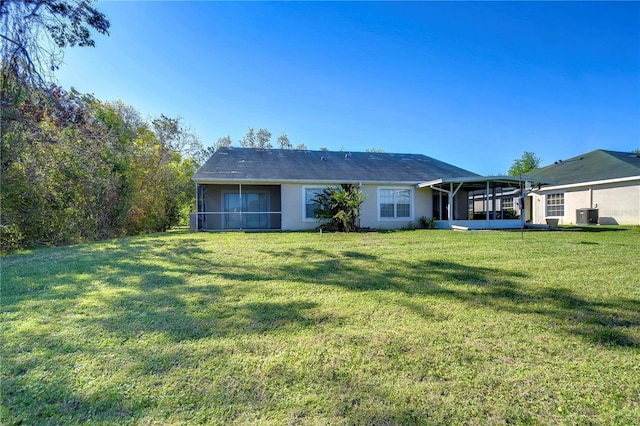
pixel 34 32
pixel 529 161
pixel 249 140
pixel 263 138
pixel 284 143
pixel 427 223
pixel 76 169
pixel 341 206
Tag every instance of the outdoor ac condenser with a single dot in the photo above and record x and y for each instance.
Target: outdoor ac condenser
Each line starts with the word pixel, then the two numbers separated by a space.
pixel 586 216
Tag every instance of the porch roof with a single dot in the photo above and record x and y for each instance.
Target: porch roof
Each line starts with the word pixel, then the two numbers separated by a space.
pixel 480 182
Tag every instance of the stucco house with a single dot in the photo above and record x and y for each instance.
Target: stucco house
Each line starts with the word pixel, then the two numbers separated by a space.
pixel 272 189
pixel 600 187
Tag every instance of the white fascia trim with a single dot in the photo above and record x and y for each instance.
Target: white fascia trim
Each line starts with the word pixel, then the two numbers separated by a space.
pixel 581 184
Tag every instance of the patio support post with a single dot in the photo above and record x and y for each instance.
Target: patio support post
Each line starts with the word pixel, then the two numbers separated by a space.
pixel 473 204
pixel 486 203
pixel 493 202
pixel 450 204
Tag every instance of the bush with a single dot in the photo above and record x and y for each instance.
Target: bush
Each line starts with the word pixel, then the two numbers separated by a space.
pixel 427 223
pixel 341 205
pixel 10 238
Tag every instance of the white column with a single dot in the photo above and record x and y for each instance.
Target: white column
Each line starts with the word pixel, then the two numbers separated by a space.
pixel 450 204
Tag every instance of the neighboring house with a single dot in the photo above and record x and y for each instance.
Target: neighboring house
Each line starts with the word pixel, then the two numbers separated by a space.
pixel 249 188
pixel 598 187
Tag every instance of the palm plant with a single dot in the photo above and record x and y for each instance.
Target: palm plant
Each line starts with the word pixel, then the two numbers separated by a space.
pixel 341 205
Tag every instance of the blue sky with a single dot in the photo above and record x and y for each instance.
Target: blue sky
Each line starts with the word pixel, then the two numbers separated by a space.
pixel 473 84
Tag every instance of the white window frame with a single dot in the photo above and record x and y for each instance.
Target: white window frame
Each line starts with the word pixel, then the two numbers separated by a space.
pixel 508 205
pixel 304 201
pixel 395 218
pixel 546 204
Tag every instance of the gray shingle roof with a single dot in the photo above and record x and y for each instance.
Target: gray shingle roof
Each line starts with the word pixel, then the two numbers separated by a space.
pixel 592 166
pixel 276 165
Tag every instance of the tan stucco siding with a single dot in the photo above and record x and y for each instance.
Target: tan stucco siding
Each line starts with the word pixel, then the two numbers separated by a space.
pixel 369 215
pixel 293 207
pixel 620 204
pixel 617 203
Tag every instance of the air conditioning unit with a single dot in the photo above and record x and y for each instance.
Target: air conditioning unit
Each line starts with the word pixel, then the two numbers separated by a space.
pixel 586 216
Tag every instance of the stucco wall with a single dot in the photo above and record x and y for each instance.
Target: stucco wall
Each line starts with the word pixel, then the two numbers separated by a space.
pixel 616 203
pixel 422 206
pixel 292 219
pixel 292 207
pixel 621 203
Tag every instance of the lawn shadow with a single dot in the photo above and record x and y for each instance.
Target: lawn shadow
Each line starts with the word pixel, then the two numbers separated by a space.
pixel 126 291
pixel 38 401
pixel 592 228
pixel 610 323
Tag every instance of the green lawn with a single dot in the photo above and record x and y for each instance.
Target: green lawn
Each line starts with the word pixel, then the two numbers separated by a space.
pixel 408 327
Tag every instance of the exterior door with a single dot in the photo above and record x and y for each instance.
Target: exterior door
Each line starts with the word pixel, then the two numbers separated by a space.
pixel 250 212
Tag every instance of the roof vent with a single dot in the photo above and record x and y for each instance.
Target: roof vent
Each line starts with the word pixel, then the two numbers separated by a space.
pixel 322 158
pixel 347 155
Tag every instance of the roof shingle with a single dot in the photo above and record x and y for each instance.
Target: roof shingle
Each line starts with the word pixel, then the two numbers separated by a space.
pixel 590 167
pixel 276 165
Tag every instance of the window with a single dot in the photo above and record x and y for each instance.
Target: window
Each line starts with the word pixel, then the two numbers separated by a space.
pixel 309 205
pixel 555 204
pixel 507 204
pixel 394 203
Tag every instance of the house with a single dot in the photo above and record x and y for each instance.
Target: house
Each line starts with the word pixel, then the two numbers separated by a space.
pixel 597 187
pixel 272 189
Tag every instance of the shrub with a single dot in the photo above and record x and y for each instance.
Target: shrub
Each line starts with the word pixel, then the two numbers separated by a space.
pixel 341 205
pixel 427 223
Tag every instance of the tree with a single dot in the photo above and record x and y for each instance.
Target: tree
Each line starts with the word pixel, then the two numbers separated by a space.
pixel 177 137
pixel 284 143
pixel 263 138
pixel 301 147
pixel 34 32
pixel 78 169
pixel 223 142
pixel 341 205
pixel 249 140
pixel 379 150
pixel 529 161
pixel 205 153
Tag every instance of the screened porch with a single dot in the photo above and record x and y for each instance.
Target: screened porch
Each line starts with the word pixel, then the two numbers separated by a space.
pixel 237 207
pixel 479 202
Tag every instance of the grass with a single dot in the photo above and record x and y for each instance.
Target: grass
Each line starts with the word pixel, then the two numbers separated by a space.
pixel 408 327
